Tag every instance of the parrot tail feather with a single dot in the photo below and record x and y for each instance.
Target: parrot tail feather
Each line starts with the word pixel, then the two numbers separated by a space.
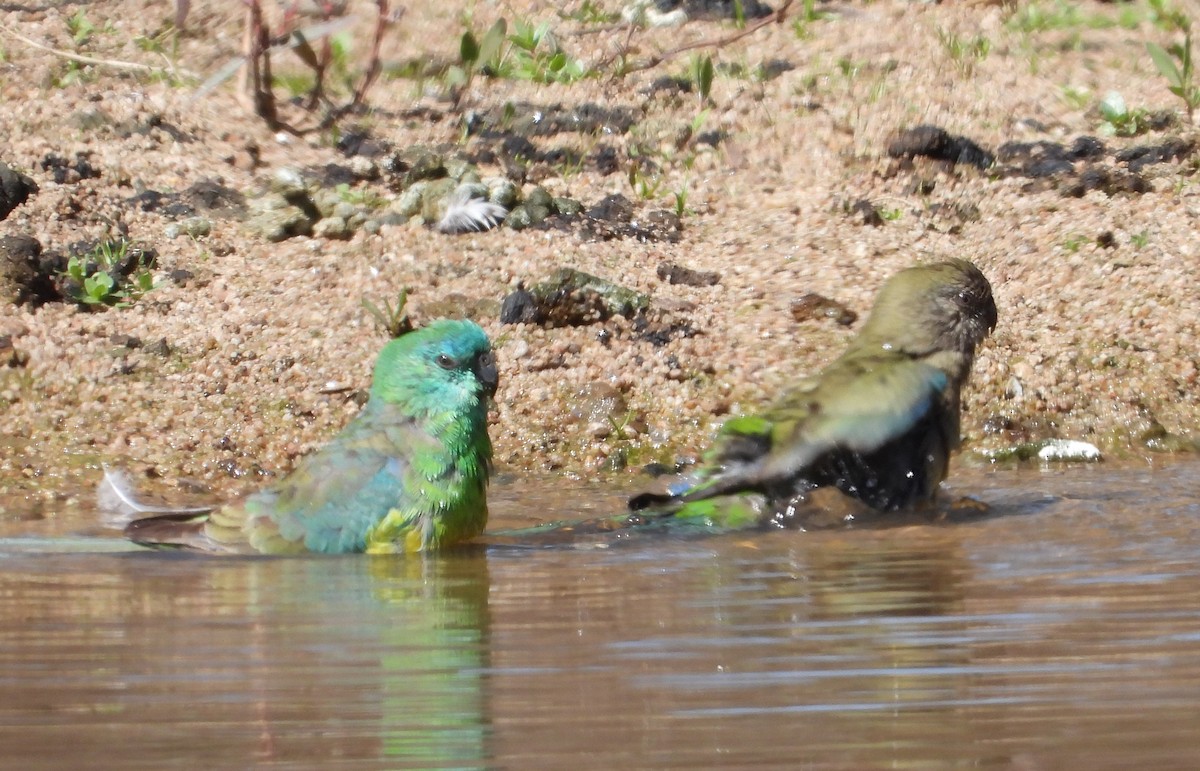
pixel 179 530
pixel 119 503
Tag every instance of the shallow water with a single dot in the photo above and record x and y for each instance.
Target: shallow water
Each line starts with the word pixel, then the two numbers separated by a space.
pixel 1061 631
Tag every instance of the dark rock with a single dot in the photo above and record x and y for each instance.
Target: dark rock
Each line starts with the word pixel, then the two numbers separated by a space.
pixel 150 127
pixel 868 211
pixel 414 164
pixel 814 306
pixel 516 146
pixel 15 189
pixel 181 276
pixel 674 273
pixel 612 208
pixel 212 196
pixel 566 207
pixel 1142 156
pixel 332 175
pixel 606 160
pixel 1039 160
pixel 1086 148
pixel 668 84
pixel 125 341
pixel 159 347
pixel 23 278
pixel 659 332
pixel 64 171
pixel 1106 240
pixel 1109 181
pixel 712 138
pixel 167 204
pixel 571 298
pixel 527 119
pixel 348 143
pixel 519 307
pixel 937 143
pixel 613 217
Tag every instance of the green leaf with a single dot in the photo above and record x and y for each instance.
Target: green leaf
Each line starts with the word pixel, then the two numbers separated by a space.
pixel 1113 108
pixel 489 48
pixel 468 49
pixel 75 269
pixel 1165 64
pixel 704 78
pixel 97 287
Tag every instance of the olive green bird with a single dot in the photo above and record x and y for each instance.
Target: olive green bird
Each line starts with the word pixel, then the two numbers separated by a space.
pixel 879 423
pixel 409 473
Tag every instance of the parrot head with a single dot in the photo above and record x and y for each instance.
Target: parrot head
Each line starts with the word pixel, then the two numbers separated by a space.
pixel 446 366
pixel 945 306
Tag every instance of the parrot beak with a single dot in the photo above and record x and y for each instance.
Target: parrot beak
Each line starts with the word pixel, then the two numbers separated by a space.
pixel 990 315
pixel 485 370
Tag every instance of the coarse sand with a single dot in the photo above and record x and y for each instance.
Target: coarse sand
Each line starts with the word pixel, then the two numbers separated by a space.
pixel 266 343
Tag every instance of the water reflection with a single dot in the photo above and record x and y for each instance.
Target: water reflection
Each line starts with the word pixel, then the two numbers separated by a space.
pixel 304 660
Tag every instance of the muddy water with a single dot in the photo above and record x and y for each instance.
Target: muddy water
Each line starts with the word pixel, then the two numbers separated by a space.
pixel 1061 631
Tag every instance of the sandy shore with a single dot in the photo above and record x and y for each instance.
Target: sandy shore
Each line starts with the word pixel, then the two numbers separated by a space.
pixel 266 343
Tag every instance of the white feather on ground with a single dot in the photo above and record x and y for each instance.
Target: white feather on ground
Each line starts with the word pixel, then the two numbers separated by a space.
pixel 119 504
pixel 465 214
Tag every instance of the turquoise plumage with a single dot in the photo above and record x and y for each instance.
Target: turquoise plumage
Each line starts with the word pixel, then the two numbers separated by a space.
pixel 408 474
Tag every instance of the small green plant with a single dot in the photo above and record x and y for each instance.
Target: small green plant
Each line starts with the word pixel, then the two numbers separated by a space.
pixel 1164 16
pixel 801 25
pixel 105 277
pixel 538 56
pixel 1076 98
pixel 1139 240
pixel 1119 120
pixel 889 214
pixel 80 29
pixel 1035 17
pixel 590 12
pixel 477 56
pixel 532 53
pixel 1175 64
pixel 392 319
pixel 964 52
pixel 848 67
pixel 681 198
pixel 1073 243
pixel 700 69
pixel 72 72
pixel 645 185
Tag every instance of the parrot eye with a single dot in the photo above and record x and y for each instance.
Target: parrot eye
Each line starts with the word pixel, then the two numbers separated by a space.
pixel 445 361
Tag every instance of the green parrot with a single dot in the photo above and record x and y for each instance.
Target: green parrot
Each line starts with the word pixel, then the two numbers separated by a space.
pixel 408 473
pixel 879 423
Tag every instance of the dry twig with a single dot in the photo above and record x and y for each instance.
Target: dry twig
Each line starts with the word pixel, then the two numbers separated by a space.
pixel 112 63
pixel 777 17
